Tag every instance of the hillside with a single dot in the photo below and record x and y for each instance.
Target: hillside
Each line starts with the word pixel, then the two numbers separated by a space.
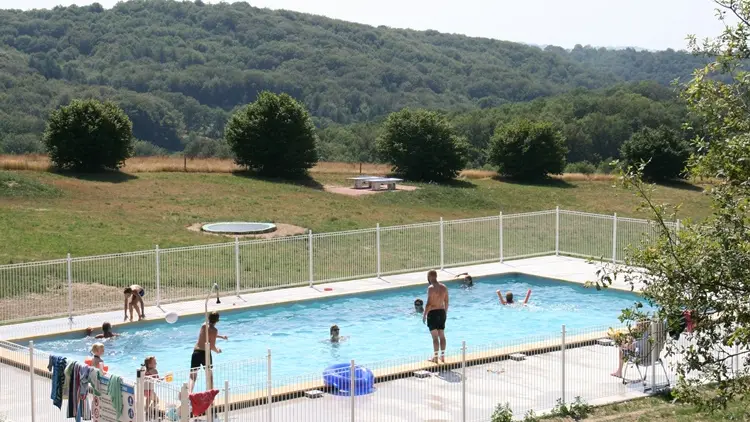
pixel 179 68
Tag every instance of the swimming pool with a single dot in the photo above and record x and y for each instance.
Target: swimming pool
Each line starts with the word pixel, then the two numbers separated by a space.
pixel 379 326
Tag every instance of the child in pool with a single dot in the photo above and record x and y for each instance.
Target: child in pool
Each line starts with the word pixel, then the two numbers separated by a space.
pixel 97 349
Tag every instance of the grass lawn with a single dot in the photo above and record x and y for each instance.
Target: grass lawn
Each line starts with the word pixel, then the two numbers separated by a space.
pixel 46 215
pixel 662 409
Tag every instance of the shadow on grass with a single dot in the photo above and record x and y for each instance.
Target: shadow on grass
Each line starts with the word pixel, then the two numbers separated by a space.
pixel 109 176
pixel 682 185
pixel 546 182
pixel 301 180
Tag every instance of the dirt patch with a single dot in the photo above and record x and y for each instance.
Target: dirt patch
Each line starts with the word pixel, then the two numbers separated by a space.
pixel 281 231
pixel 359 192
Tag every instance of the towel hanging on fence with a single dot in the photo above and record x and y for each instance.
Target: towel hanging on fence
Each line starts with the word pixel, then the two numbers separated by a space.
pixel 74 382
pixel 202 401
pixel 114 390
pixel 57 365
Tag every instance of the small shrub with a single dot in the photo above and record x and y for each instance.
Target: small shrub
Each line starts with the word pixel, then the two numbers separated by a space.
pixel 26 143
pixel 583 167
pixel 577 410
pixel 530 416
pixel 147 149
pixel 606 166
pixel 502 413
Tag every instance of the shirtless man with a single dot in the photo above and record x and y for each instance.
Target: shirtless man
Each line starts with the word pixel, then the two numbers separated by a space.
pixel 134 294
pixel 198 358
pixel 435 314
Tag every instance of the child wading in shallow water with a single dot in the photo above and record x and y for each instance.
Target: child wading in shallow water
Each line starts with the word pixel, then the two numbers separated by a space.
pixel 97 349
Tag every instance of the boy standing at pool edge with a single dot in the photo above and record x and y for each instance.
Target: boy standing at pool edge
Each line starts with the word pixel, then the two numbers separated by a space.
pixel 435 314
pixel 134 294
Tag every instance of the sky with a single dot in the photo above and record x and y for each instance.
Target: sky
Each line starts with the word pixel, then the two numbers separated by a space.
pixel 650 24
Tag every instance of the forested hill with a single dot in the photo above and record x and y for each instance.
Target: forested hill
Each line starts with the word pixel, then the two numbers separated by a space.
pixel 179 68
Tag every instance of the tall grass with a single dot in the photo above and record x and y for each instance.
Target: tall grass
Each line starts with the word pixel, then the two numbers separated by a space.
pixel 216 165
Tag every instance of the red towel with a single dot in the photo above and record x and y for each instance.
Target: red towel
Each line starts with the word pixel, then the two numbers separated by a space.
pixel 202 401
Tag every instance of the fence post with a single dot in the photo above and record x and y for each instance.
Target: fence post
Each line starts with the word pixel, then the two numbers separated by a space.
pixel 562 361
pixel 614 238
pixel 463 381
pixel 226 401
pixel 654 354
pixel 377 246
pixel 237 265
pixel 269 386
pixel 557 231
pixel 442 245
pixel 140 408
pixel 310 255
pixel 158 278
pixel 352 387
pixel 70 291
pixel 184 404
pixel 501 236
pixel 31 380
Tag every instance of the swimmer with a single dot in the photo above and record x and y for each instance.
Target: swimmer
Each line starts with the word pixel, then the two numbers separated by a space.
pixel 97 349
pixel 335 337
pixel 468 281
pixel 134 294
pixel 106 331
pixel 418 306
pixel 508 300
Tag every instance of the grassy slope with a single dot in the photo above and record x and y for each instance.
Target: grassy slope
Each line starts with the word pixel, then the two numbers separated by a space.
pixel 138 211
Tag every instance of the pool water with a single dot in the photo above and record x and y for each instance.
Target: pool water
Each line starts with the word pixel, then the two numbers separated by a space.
pixel 378 326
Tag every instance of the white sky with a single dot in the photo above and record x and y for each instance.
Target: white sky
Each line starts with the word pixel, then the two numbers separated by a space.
pixel 651 24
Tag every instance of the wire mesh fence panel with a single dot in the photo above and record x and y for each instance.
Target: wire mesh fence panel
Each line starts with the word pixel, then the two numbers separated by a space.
pixel 409 248
pixel 472 240
pixel 345 255
pixel 524 375
pixel 190 272
pixel 105 277
pixel 33 290
pixel 586 235
pixel 528 234
pixel 161 398
pixel 272 263
pixel 635 233
pixel 291 403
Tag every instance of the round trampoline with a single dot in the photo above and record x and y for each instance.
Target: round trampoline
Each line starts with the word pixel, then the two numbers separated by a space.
pixel 239 227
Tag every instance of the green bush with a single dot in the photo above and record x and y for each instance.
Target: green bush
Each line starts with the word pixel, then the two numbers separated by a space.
pixel 88 136
pixel 273 136
pixel 663 150
pixel 422 145
pixel 201 147
pixel 26 143
pixel 502 413
pixel 528 150
pixel 577 410
pixel 583 167
pixel 147 149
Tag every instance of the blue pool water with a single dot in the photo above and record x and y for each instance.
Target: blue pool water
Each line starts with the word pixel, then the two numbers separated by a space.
pixel 380 326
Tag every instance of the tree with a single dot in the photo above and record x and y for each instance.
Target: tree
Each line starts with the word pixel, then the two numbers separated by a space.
pixel 663 151
pixel 422 145
pixel 274 136
pixel 703 266
pixel 88 136
pixel 528 150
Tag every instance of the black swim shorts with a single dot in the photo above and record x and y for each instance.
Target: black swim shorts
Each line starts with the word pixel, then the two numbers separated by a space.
pixel 198 358
pixel 436 319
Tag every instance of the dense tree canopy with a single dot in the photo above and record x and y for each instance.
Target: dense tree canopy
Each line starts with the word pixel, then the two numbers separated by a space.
pixel 663 151
pixel 527 150
pixel 180 68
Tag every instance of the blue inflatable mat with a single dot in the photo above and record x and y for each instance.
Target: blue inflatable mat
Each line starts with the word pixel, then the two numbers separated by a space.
pixel 339 377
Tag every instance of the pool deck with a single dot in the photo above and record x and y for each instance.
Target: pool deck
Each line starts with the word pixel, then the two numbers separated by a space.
pixel 563 268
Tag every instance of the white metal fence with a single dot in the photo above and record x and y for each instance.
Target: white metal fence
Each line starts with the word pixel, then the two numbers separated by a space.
pixel 80 285
pixel 529 374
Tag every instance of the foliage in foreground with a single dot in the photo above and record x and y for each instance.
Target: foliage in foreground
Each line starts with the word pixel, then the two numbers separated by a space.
pixel 528 150
pixel 273 136
pixel 702 268
pixel 421 145
pixel 89 136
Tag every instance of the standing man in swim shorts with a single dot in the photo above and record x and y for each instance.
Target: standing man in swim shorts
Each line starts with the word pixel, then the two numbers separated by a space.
pixel 435 314
pixel 198 358
pixel 133 295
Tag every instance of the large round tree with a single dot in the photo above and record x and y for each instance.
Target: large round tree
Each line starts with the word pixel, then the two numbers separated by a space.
pixel 663 150
pixel 273 136
pixel 422 145
pixel 528 150
pixel 88 136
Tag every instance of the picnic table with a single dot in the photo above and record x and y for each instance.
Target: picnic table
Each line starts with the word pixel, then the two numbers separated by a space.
pixel 362 182
pixel 388 182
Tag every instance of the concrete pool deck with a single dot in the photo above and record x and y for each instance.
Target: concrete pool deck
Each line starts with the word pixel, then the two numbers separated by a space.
pixel 562 268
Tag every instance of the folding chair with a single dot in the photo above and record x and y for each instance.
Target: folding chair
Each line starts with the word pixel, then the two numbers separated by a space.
pixel 648 347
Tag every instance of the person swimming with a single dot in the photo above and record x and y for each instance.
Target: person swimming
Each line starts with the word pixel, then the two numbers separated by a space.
pixel 335 334
pixel 508 299
pixel 468 281
pixel 418 306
